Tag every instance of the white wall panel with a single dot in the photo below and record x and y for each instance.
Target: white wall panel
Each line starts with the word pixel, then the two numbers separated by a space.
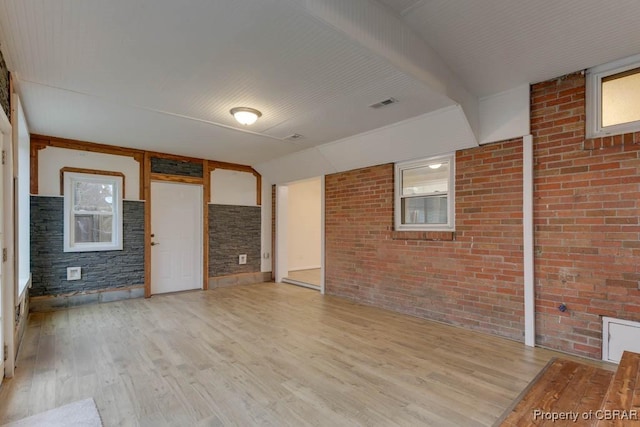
pixel 24 204
pixel 435 133
pixel 294 167
pixel 505 115
pixel 52 159
pixel 230 187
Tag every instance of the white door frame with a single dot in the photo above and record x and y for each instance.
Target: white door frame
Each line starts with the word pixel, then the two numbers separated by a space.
pixel 7 283
pixel 201 231
pixel 282 219
pixel 281 255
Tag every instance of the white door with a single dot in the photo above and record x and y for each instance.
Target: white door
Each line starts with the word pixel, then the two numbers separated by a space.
pixel 176 230
pixel 3 283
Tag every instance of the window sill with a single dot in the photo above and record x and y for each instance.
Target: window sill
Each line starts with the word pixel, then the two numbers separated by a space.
pixel 423 235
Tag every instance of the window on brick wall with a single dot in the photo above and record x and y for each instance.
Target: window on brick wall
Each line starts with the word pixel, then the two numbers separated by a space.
pixel 424 194
pixel 613 98
pixel 92 212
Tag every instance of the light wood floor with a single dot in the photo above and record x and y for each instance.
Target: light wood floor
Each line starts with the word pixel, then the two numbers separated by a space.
pixel 266 354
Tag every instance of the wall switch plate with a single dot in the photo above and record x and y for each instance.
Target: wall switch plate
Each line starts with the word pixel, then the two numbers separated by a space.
pixel 74 273
pixel 242 259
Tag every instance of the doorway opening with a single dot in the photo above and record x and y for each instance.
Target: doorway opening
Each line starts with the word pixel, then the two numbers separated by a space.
pixel 300 233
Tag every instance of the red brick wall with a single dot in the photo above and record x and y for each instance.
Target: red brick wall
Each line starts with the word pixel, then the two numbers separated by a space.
pixel 475 280
pixel 587 233
pixel 586 209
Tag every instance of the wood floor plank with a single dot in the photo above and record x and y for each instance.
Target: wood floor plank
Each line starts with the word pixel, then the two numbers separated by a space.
pixel 564 387
pixel 622 394
pixel 264 354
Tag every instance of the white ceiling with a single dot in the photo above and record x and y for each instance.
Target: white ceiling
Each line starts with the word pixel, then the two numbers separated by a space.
pixel 162 75
pixel 495 45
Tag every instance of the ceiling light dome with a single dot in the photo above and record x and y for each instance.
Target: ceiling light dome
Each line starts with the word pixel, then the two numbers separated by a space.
pixel 245 115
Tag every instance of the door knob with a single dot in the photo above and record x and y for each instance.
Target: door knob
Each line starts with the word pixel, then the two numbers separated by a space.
pixel 154 243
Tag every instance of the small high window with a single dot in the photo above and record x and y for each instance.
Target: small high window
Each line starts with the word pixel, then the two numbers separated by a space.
pixel 92 212
pixel 424 197
pixel 613 98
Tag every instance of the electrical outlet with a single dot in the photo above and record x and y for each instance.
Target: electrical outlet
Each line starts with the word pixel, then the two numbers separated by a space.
pixel 74 273
pixel 242 259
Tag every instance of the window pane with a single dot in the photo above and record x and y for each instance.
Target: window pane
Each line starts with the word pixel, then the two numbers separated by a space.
pixel 424 210
pixel 428 179
pixel 621 98
pixel 92 197
pixel 92 228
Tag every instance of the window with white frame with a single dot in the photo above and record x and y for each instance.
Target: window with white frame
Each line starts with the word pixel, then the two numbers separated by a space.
pixel 424 196
pixel 92 212
pixel 613 98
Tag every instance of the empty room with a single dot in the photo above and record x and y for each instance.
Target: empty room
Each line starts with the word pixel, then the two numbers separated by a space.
pixel 319 212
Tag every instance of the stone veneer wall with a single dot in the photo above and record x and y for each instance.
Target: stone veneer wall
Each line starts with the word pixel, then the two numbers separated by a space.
pixel 5 96
pixel 100 270
pixel 234 230
pixel 176 167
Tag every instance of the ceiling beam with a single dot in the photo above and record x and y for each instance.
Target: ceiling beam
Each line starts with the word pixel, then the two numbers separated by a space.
pixel 388 36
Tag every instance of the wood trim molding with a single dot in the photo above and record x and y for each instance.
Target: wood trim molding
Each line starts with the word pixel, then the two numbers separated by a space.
pixel 90 172
pixel 175 157
pixel 36 145
pixel 146 178
pixel 206 198
pixel 39 142
pixel 73 144
pixel 214 164
pixel 173 178
pixel 258 187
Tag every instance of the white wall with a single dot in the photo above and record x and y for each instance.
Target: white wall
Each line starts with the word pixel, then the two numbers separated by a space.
pixel 24 204
pixel 304 224
pixel 52 159
pixel 230 187
pixel 440 132
pixel 505 115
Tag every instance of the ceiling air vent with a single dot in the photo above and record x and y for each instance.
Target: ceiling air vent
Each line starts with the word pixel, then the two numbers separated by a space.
pixel 384 103
pixel 294 137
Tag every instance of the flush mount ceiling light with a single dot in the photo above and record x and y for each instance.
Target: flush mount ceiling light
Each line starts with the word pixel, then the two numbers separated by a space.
pixel 245 115
pixel 435 165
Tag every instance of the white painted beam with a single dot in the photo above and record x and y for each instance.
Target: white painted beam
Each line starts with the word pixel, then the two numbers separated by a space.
pixel 282 257
pixel 528 242
pixel 388 36
pixel 443 131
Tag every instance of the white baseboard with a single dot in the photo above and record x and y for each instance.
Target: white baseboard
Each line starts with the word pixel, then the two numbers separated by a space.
pixel 313 267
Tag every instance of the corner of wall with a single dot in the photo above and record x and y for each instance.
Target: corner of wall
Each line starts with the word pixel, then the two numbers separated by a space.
pixel 504 115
